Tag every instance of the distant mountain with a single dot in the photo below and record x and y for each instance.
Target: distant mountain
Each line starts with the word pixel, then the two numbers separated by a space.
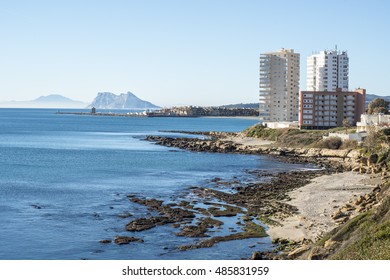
pixel 49 101
pixel 54 98
pixel 242 105
pixel 108 100
pixel 370 97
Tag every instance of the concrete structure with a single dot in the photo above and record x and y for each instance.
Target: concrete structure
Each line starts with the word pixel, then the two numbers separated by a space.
pixel 281 124
pixel 279 86
pixel 358 137
pixel 376 121
pixel 324 109
pixel 327 71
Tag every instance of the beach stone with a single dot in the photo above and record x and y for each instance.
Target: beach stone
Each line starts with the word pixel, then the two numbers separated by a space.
pixel 329 243
pixel 256 256
pixel 359 200
pixel 337 215
pixel 360 209
pixel 372 159
pixel 341 220
pixel 313 152
pixel 124 215
pixel 355 169
pixel 347 208
pixel 298 252
pixel 121 240
pixel 334 153
pixel 353 154
pixel 146 223
pixel 362 170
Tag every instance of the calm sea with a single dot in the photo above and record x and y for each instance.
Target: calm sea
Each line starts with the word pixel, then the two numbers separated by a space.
pixel 65 178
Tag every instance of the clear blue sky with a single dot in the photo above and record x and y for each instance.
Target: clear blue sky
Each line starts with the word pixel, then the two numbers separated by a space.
pixel 177 52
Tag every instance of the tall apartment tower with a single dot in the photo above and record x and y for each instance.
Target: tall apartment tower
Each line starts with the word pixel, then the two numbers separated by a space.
pixel 279 86
pixel 327 71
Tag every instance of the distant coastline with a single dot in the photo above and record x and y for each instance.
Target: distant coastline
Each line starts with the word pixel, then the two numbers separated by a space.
pixel 188 112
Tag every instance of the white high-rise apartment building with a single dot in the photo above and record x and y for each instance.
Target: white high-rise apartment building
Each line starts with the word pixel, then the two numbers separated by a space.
pixel 327 71
pixel 279 86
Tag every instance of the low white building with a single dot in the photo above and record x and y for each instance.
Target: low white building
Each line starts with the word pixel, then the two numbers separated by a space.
pixel 359 136
pixel 281 124
pixel 376 120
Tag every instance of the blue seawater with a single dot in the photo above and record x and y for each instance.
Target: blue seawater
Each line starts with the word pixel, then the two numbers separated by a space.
pixel 65 178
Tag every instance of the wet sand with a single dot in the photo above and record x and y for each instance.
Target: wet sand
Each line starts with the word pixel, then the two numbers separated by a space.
pixel 317 201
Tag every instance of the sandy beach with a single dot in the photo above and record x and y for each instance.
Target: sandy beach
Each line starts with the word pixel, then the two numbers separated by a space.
pixel 317 201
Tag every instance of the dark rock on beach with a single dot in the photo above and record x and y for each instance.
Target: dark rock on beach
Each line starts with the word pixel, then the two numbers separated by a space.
pixel 168 214
pixel 120 240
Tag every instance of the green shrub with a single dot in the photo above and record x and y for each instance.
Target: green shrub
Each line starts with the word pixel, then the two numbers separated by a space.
pixel 386 131
pixel 333 143
pixel 349 145
pixel 290 137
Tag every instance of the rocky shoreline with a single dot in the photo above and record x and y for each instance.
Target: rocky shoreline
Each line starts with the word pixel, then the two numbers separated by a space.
pixel 255 204
pixel 332 162
pixel 219 142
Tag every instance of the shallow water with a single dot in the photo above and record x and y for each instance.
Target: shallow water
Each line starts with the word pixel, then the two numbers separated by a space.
pixel 65 178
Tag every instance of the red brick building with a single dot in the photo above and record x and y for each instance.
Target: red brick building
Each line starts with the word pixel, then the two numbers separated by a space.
pixel 326 109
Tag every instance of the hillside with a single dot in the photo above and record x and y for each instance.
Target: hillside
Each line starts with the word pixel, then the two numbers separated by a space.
pixel 370 97
pixel 242 106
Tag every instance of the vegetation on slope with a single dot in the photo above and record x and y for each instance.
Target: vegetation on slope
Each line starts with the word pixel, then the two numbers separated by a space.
pixel 367 235
pixel 300 138
pixel 285 136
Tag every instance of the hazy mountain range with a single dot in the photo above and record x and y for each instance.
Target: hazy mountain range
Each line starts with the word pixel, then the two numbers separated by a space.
pixel 49 101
